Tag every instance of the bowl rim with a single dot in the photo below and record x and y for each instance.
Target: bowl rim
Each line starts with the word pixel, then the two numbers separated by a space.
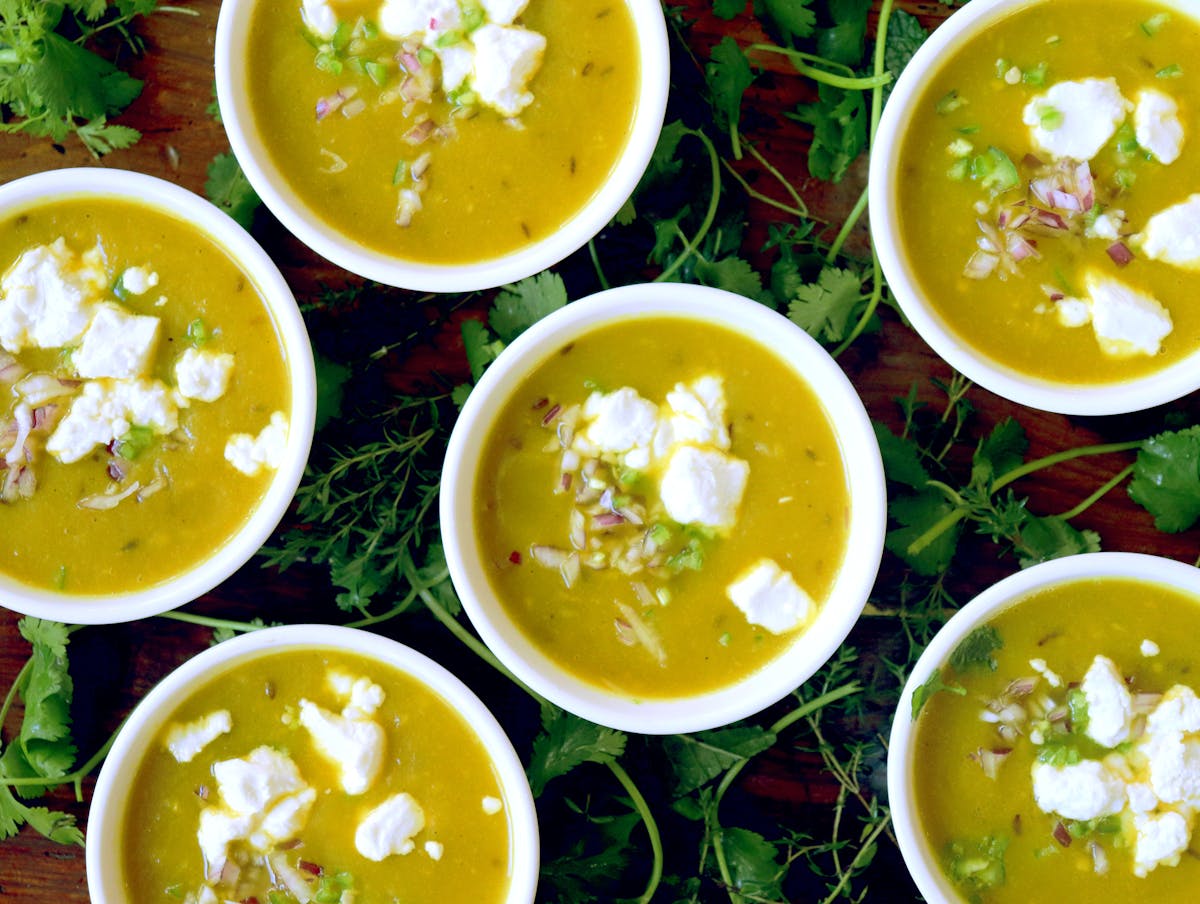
pixel 180 204
pixel 920 860
pixel 107 809
pixel 810 649
pixel 270 184
pixel 1117 397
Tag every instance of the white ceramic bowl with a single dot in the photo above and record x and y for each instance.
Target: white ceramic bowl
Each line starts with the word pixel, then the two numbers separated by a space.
pixel 855 577
pixel 107 815
pixel 1112 398
pixel 250 148
pixel 919 857
pixel 179 203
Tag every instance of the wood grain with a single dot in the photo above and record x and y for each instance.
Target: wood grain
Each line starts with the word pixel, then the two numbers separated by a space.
pixel 114 666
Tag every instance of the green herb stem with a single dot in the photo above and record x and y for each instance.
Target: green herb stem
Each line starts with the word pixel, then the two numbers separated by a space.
pixel 1038 464
pixel 14 689
pixel 603 280
pixel 865 850
pixel 1087 503
pixel 709 217
pixel 215 623
pixel 799 60
pixel 639 802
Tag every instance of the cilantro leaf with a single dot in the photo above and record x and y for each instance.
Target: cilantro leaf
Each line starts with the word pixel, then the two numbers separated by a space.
pixel 698 759
pixel 753 866
pixel 481 349
pixel 933 685
pixel 901 458
pixel 331 380
pixel 918 513
pixel 823 309
pixel 976 650
pixel 839 122
pixel 792 18
pixel 228 188
pixel 732 274
pixel 568 741
pixel 728 75
pixel 1042 539
pixel 728 9
pixel 843 41
pixel 1166 479
pixel 1002 450
pixel 522 304
pixel 102 137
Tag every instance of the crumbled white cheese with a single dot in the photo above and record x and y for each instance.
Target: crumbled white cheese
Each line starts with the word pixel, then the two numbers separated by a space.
pixel 402 18
pixel 1126 321
pixel 492 805
pixel 186 739
pixel 506 59
pixel 458 64
pixel 1084 790
pixel 117 344
pixel 617 422
pixel 1174 767
pixel 1177 711
pixel 203 375
pixel 696 414
pixel 1173 235
pixel 1075 119
pixel 1161 839
pixel 1149 648
pixel 770 597
pixel 435 849
pixel 503 12
pixel 251 454
pixel 351 741
pixel 390 827
pixel 263 801
pixel 1156 125
pixel 48 295
pixel 138 280
pixel 106 409
pixel 1109 703
pixel 319 18
pixel 1106 225
pixel 703 486
pixel 1073 312
pixel 1052 677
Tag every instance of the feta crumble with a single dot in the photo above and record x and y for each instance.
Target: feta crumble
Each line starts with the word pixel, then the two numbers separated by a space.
pixel 390 828
pixel 252 454
pixel 492 805
pixel 769 596
pixel 117 344
pixel 203 375
pixel 1109 703
pixel 1173 235
pixel 1075 119
pixel 1125 320
pixel 703 486
pixel 506 59
pixel 106 409
pixel 350 741
pixel 186 740
pixel 1157 126
pixel 48 296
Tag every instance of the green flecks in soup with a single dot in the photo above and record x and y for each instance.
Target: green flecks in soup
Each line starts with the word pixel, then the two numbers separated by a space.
pixel 662 507
pixel 1048 194
pixel 321 776
pixel 128 451
pixel 1062 761
pixel 445 132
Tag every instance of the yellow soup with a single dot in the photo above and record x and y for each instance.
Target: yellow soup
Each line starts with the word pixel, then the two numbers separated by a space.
pixel 459 850
pixel 115 481
pixel 607 561
pixel 1047 706
pixel 1028 184
pixel 364 133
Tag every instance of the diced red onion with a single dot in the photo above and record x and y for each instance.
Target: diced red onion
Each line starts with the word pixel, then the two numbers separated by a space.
pixel 514 557
pixel 549 556
pixel 571 570
pixel 1099 858
pixel 1120 254
pixel 101 502
pixel 608 519
pixel 549 416
pixel 420 133
pixel 1062 834
pixel 981 265
pixel 314 868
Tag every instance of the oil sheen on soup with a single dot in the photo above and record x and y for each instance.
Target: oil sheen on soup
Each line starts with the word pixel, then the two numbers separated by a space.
pixel 662 507
pixel 1049 190
pixel 1064 763
pixel 446 131
pixel 143 392
pixel 315 775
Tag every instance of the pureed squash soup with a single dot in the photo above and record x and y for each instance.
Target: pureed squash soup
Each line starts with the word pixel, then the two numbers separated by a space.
pixel 452 139
pixel 316 775
pixel 662 506
pixel 1039 190
pixel 1064 763
pixel 142 395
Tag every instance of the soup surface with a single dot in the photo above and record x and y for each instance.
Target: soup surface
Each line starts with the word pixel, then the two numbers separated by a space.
pixel 639 563
pixel 417 172
pixel 134 353
pixel 1034 176
pixel 997 761
pixel 457 851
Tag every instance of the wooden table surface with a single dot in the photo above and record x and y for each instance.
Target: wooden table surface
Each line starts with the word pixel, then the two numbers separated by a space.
pixel 114 666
